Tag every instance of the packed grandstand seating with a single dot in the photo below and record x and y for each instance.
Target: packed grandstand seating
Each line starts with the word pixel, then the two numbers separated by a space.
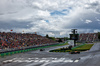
pixel 17 40
pixel 88 37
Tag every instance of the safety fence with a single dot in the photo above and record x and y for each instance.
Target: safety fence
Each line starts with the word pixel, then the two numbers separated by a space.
pixel 26 50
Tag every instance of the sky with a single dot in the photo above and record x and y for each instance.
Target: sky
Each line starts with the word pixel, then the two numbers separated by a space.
pixel 53 17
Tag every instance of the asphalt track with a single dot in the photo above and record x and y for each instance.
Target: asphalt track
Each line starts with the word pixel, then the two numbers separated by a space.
pixel 46 58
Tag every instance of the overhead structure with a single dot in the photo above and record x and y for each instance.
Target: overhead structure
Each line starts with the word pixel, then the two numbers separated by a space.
pixel 74 36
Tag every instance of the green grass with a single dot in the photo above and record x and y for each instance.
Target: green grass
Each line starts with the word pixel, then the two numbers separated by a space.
pixel 78 43
pixel 83 47
pixel 63 44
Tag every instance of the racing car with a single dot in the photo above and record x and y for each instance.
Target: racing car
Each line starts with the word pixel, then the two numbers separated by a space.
pixel 42 49
pixel 74 52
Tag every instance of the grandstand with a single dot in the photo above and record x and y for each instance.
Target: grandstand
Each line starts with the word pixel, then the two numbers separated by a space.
pixel 88 37
pixel 11 40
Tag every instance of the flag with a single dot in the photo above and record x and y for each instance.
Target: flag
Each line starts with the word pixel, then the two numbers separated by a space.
pixel 11 30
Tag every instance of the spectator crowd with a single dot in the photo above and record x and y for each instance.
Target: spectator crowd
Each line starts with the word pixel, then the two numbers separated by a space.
pixel 18 40
pixel 88 37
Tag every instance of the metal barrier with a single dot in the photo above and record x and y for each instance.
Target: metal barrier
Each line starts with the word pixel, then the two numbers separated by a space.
pixel 15 51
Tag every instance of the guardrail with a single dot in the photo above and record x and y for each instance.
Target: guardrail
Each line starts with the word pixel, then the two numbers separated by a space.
pixel 11 52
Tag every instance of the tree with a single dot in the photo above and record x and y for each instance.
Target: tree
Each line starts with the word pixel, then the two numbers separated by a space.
pixel 47 36
pixel 66 38
pixel 99 35
pixel 53 38
pixel 60 40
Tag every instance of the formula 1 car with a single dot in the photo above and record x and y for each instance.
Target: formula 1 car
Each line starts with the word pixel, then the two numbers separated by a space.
pixel 42 49
pixel 74 52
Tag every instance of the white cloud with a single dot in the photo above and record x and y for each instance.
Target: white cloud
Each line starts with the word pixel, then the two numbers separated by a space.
pixel 96 30
pixel 97 19
pixel 37 5
pixel 43 13
pixel 78 14
pixel 88 21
